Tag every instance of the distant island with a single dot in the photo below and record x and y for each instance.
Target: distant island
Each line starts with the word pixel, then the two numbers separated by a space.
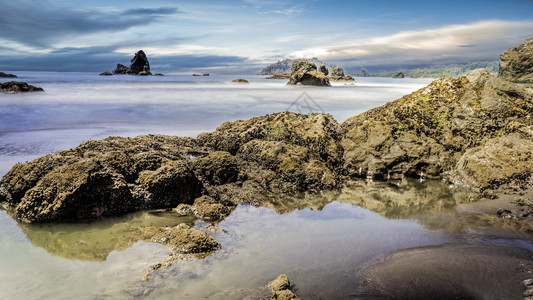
pixel 454 70
pixel 284 66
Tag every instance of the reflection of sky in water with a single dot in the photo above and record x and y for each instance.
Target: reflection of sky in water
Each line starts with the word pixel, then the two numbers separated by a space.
pixel 327 247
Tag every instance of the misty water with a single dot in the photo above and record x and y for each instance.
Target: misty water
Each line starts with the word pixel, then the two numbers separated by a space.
pixel 320 241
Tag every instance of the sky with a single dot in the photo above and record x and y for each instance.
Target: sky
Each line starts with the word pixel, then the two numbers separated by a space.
pixel 243 36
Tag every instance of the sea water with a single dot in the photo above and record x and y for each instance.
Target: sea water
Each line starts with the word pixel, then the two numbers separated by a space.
pixel 321 247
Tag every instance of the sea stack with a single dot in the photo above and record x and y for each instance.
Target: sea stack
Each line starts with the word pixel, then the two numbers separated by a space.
pixel 139 65
pixel 305 73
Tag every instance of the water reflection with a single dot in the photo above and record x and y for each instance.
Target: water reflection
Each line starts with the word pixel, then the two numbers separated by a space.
pixel 431 203
pixel 95 240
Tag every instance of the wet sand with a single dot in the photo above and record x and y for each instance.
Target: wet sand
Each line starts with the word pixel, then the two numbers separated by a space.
pixel 453 271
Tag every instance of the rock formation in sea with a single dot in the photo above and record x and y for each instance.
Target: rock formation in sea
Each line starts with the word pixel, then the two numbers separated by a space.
pixel 474 131
pixel 240 80
pixel 18 87
pixel 399 75
pixel 120 69
pixel 364 73
pixel 139 65
pixel 5 75
pixel 516 64
pixel 337 74
pixel 106 74
pixel 304 72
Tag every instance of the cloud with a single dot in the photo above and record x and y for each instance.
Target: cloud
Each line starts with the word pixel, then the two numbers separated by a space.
pixel 37 24
pixel 481 39
pixel 99 59
pixel 152 11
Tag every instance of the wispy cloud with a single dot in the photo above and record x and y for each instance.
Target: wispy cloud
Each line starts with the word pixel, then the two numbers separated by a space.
pixel 481 37
pixel 36 25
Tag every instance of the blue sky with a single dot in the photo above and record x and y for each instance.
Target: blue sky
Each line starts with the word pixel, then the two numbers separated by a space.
pixel 242 36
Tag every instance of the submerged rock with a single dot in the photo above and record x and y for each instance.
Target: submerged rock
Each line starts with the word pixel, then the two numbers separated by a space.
pixel 280 288
pixel 5 75
pixel 186 240
pixel 305 73
pixel 516 64
pixel 18 87
pixel 240 80
pixel 106 74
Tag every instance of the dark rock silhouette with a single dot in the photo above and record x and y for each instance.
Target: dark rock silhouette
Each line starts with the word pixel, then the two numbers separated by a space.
pixel 5 75
pixel 120 69
pixel 139 63
pixel 18 87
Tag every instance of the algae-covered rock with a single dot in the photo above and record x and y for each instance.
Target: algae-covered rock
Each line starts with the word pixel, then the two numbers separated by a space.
pixel 280 76
pixel 425 133
pixel 208 209
pixel 103 178
pixel 187 240
pixel 280 288
pixel 516 64
pixel 218 167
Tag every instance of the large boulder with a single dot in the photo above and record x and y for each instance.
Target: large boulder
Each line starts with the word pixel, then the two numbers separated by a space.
pixel 305 73
pixel 18 87
pixel 103 178
pixel 426 133
pixel 516 64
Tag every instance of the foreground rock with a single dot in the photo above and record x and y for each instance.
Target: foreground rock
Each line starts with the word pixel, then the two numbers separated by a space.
pixel 139 65
pixel 5 75
pixel 516 64
pixel 305 73
pixel 18 87
pixel 460 128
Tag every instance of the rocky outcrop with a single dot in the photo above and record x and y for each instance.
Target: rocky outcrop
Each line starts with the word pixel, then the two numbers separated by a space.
pixel 240 80
pixel 184 239
pixel 139 65
pixel 323 69
pixel 305 73
pixel 120 69
pixel 106 74
pixel 399 75
pixel 434 132
pixel 5 75
pixel 18 87
pixel 516 64
pixel 280 288
pixel 337 74
pixel 475 130
pixel 280 76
